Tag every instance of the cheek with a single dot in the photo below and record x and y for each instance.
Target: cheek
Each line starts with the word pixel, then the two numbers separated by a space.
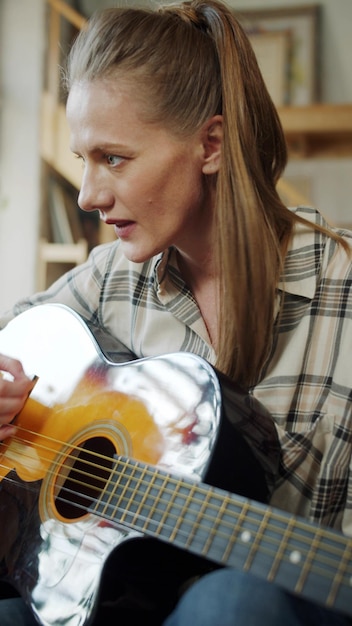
pixel 152 192
pixel 135 191
pixel 181 182
pixel 165 186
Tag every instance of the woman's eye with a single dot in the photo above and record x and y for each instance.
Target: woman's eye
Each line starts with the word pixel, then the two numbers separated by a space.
pixel 112 159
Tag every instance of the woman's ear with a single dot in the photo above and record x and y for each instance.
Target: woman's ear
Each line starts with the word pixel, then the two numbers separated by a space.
pixel 212 143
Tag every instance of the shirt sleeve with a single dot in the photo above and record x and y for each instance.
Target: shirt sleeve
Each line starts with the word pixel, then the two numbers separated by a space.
pixel 80 289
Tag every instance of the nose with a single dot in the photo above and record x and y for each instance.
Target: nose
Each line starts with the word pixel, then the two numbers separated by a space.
pixel 94 195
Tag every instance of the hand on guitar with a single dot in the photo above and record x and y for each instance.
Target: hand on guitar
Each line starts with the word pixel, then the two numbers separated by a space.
pixel 14 390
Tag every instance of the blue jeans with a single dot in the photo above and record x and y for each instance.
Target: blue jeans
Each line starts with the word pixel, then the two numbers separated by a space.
pixel 222 598
pixel 229 598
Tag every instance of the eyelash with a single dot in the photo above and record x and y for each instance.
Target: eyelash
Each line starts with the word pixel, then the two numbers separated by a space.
pixel 107 158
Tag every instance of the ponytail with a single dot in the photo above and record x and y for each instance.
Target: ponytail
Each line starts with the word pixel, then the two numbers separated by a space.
pixel 192 61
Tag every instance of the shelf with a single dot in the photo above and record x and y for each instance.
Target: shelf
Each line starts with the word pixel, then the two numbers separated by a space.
pixel 318 130
pixel 55 150
pixel 58 253
pixel 75 253
pixel 55 141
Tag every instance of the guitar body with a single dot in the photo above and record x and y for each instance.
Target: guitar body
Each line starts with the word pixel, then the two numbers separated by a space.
pixel 174 412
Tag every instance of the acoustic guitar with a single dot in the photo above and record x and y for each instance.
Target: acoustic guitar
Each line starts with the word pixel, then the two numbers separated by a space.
pixel 109 448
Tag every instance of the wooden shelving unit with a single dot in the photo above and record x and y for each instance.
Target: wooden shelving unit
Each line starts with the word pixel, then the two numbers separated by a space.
pixel 54 258
pixel 318 130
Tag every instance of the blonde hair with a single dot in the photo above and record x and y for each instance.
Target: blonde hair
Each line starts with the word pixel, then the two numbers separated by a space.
pixel 193 60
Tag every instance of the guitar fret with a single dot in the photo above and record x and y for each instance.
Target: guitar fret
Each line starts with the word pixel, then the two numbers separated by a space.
pixel 129 477
pixel 257 539
pixel 242 547
pixel 280 554
pixel 104 505
pixel 114 499
pixel 217 524
pixel 138 479
pixel 345 563
pixel 161 520
pixel 136 498
pixel 229 535
pixel 140 497
pixel 234 536
pixel 208 518
pixel 305 560
pixel 308 562
pixel 167 514
pixel 181 516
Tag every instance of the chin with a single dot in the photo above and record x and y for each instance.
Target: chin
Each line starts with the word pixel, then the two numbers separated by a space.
pixel 138 256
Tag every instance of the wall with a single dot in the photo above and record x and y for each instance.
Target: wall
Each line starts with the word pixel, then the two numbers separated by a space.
pixel 336 48
pixel 21 58
pixel 21 55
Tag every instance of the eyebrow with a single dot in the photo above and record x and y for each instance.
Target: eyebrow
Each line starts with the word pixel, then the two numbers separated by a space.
pixel 110 147
pixel 113 148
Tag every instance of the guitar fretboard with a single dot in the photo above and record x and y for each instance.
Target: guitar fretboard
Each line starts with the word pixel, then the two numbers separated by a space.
pixel 231 530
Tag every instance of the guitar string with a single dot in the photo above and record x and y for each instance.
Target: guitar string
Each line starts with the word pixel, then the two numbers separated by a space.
pixel 177 482
pixel 304 526
pixel 283 519
pixel 184 534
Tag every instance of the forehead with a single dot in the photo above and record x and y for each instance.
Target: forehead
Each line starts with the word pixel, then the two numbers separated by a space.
pixel 103 113
pixel 104 107
pixel 103 94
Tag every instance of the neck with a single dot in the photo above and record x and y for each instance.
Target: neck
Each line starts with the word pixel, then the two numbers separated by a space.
pixel 197 270
pixel 202 279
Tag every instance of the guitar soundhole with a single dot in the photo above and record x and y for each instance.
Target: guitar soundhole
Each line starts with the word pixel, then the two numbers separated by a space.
pixel 82 480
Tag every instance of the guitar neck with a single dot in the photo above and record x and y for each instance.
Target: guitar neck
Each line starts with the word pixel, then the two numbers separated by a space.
pixel 231 530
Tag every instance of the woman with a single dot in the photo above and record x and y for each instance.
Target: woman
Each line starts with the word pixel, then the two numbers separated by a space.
pixel 182 149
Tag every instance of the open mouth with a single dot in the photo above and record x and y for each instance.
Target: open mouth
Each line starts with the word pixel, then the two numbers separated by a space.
pixel 122 228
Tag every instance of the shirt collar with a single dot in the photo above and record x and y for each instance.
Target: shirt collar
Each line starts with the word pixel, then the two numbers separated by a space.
pixel 160 267
pixel 301 268
pixel 302 263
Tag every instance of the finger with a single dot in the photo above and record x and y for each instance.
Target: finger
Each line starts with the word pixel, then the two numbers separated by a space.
pixel 13 395
pixel 7 431
pixel 13 366
pixel 9 407
pixel 18 388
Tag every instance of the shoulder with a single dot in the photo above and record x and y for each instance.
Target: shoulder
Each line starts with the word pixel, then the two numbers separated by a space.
pixel 317 219
pixel 313 254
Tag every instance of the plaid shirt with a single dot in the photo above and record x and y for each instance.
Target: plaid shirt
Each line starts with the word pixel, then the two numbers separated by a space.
pixel 307 385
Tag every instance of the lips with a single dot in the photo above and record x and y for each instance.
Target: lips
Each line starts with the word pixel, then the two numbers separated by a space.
pixel 122 228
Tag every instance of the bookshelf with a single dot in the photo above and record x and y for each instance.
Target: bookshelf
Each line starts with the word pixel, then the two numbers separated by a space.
pixel 67 234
